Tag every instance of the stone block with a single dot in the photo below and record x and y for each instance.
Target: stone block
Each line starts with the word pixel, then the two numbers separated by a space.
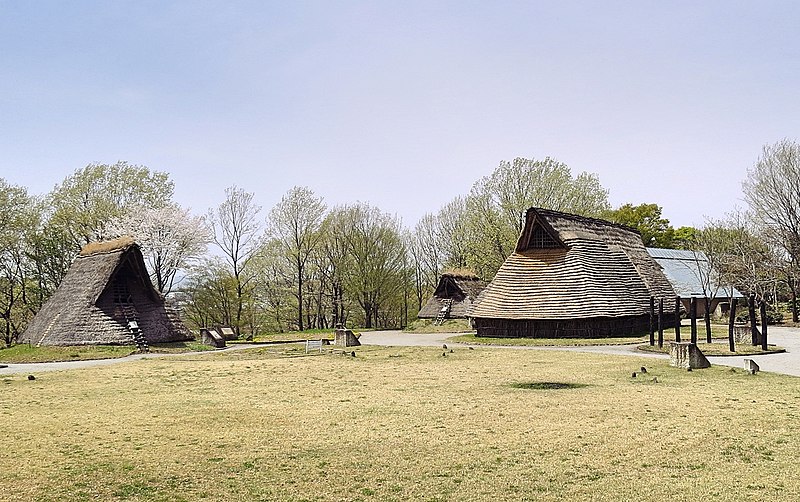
pixel 345 338
pixel 751 366
pixel 686 355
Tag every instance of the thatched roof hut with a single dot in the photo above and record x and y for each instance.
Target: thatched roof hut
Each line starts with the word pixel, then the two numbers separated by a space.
pixel 572 276
pixel 456 289
pixel 106 298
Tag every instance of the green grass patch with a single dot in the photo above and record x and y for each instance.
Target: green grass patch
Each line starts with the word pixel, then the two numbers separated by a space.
pixel 547 385
pixel 545 342
pixel 24 353
pixel 294 336
pixel 718 348
pixel 179 347
pixel 448 326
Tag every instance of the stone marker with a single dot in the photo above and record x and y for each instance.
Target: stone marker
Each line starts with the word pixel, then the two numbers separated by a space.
pixel 751 366
pixel 211 338
pixel 686 355
pixel 345 338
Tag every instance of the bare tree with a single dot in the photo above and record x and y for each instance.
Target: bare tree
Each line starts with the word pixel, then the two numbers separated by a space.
pixel 772 189
pixel 237 230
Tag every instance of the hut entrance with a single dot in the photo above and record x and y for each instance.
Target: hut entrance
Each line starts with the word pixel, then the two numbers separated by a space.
pixel 125 311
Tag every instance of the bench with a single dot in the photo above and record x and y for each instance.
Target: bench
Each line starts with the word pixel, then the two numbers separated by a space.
pixel 313 345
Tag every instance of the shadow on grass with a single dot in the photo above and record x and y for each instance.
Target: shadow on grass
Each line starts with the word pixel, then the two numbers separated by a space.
pixel 547 385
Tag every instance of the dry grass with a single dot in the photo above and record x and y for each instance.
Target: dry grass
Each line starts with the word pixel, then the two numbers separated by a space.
pixel 399 424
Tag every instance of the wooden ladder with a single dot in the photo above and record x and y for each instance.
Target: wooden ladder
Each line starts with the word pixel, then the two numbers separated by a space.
pixel 123 298
pixel 444 311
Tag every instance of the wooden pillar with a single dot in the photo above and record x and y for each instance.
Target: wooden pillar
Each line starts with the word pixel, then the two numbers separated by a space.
pixel 693 316
pixel 731 345
pixel 660 322
pixel 751 309
pixel 678 319
pixel 763 325
pixel 652 321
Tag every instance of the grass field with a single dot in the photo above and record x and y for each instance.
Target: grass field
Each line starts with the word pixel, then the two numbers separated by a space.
pixel 399 424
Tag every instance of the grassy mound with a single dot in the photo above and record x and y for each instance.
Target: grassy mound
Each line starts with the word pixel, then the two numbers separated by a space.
pixel 448 326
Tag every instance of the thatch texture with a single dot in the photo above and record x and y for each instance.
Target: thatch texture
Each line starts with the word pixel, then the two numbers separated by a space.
pixel 106 286
pixel 572 276
pixel 461 288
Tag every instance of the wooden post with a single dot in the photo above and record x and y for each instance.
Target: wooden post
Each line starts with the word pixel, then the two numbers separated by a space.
pixel 693 315
pixel 751 309
pixel 678 319
pixel 707 318
pixel 660 322
pixel 652 321
pixel 763 325
pixel 730 324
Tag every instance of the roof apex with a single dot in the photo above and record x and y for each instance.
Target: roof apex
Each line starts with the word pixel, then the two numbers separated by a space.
pixel 111 246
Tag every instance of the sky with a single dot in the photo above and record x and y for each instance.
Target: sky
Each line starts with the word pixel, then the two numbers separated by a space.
pixel 404 105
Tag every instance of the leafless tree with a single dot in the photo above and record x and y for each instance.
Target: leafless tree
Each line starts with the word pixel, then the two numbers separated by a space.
pixel 237 230
pixel 772 189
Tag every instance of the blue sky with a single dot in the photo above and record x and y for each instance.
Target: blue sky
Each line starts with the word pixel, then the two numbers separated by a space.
pixel 401 104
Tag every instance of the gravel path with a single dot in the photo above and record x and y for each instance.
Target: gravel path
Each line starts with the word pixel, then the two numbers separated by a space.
pixel 787 363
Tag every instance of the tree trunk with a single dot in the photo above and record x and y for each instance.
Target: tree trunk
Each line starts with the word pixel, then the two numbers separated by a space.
pixel 707 318
pixel 732 319
pixel 299 297
pixel 751 310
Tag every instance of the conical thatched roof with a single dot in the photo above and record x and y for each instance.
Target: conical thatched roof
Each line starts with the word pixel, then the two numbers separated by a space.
pixel 461 288
pixel 106 286
pixel 568 267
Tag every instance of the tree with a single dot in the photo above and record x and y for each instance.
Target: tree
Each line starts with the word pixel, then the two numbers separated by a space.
pixel 85 202
pixel 295 224
pixel 374 243
pixel 772 190
pixel 17 218
pixel 171 239
pixel 656 231
pixel 497 203
pixel 236 230
pixel 684 237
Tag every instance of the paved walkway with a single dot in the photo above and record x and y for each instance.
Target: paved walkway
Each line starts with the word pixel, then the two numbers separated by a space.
pixel 787 363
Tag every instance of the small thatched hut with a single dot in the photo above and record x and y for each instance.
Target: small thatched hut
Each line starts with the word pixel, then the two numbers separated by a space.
pixel 572 276
pixel 455 292
pixel 106 298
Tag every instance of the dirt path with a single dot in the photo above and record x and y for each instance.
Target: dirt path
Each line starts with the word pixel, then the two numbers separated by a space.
pixel 787 363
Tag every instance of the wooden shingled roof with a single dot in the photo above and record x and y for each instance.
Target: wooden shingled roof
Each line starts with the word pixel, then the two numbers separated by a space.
pixel 572 267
